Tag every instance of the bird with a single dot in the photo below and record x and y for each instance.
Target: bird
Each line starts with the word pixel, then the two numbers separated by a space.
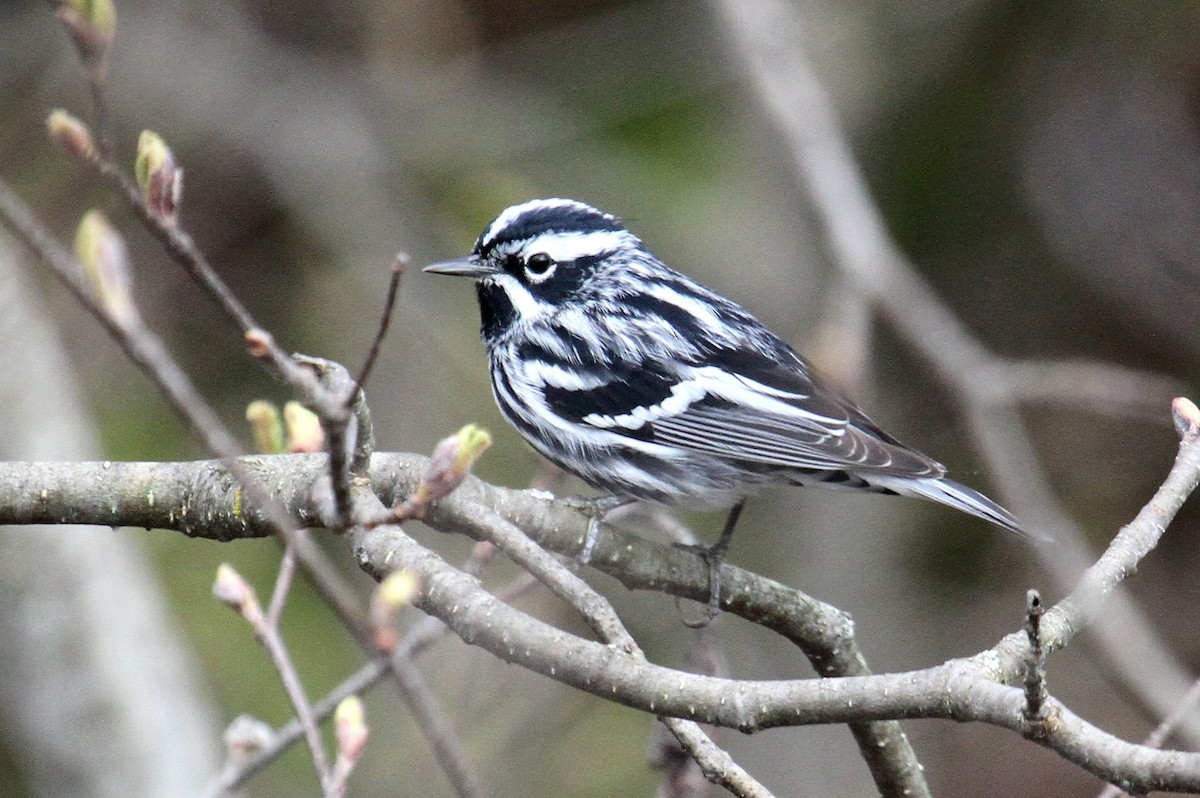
pixel 649 386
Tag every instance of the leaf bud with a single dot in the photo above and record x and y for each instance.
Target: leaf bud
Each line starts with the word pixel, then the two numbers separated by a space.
pixel 304 431
pixel 451 462
pixel 266 425
pixel 93 26
pixel 350 728
pixel 105 260
pixel 231 588
pixel 1186 416
pixel 394 593
pixel 71 134
pixel 158 176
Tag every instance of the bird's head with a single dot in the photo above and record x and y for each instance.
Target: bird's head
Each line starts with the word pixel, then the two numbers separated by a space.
pixel 539 257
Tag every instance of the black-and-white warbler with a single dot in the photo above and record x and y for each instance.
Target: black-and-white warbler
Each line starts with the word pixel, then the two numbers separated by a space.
pixel 647 385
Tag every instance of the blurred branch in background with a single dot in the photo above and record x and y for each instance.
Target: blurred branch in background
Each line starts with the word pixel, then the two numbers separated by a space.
pixel 766 34
pixel 84 639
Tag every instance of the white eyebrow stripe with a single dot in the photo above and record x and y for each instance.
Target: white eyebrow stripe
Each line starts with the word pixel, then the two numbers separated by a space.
pixel 563 247
pixel 511 213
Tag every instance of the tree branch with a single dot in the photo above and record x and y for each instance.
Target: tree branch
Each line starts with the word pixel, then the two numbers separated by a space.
pixel 201 496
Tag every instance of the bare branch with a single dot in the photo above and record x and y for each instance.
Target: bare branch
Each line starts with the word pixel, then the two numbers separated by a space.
pixel 1035 666
pixel 231 588
pixel 399 265
pixel 960 689
pixel 143 349
pixel 717 766
pixel 1159 736
pixel 419 638
pixel 283 585
pixel 956 690
pixel 430 718
pixel 152 358
pixel 599 614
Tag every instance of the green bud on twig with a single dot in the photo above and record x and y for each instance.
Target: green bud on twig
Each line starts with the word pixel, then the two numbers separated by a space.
pixel 100 14
pixel 71 134
pixel 304 432
pixel 350 728
pixel 93 26
pixel 451 461
pixel 394 593
pixel 267 426
pixel 105 261
pixel 158 176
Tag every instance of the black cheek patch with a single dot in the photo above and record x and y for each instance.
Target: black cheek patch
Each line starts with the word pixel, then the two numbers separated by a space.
pixel 496 310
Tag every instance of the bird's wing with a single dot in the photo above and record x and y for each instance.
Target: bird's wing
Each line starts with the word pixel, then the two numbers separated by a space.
pixel 742 405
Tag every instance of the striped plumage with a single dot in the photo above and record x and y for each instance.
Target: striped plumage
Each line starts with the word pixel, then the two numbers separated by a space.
pixel 646 384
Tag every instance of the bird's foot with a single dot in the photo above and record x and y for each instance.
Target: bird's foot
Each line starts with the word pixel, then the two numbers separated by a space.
pixel 595 508
pixel 714 558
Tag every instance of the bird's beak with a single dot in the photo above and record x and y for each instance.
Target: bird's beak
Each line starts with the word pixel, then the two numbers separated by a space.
pixel 469 266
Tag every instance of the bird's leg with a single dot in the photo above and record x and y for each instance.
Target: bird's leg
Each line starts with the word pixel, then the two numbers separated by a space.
pixel 714 555
pixel 595 508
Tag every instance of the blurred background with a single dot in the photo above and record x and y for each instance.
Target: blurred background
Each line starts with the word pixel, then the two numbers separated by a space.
pixel 1039 163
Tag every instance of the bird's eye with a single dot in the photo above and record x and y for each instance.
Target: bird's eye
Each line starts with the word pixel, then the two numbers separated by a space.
pixel 539 264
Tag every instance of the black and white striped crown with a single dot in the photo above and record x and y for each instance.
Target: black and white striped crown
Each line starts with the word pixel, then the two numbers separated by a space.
pixel 565 229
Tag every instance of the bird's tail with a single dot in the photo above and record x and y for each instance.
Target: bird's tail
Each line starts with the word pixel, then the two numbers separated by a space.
pixel 958 496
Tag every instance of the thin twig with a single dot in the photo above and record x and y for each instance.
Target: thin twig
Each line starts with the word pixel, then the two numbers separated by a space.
pixel 430 719
pixel 165 371
pixel 1035 669
pixel 341 432
pixel 400 264
pixel 561 581
pixel 235 591
pixel 675 748
pixel 1158 737
pixel 147 352
pixel 716 763
pixel 183 250
pixel 419 638
pixel 283 584
pixel 141 346
pixel 273 641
